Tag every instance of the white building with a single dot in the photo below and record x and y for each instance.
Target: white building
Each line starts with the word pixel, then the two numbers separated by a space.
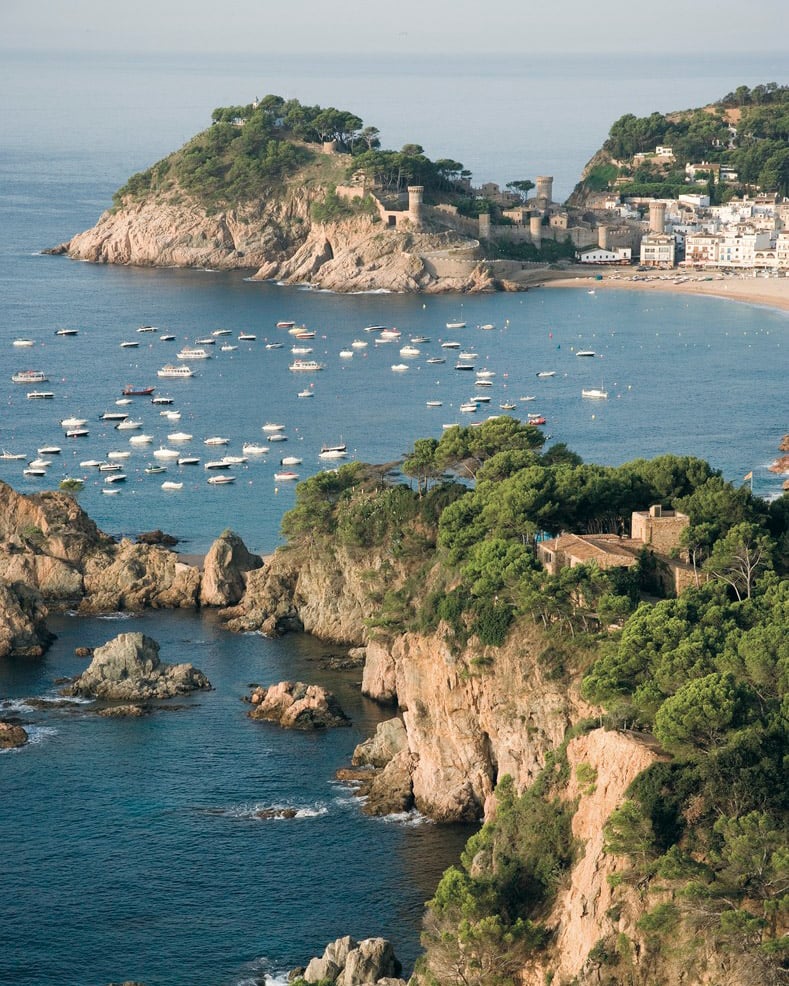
pixel 658 250
pixel 597 255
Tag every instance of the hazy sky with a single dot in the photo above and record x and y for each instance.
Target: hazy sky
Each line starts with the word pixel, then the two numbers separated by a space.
pixel 410 26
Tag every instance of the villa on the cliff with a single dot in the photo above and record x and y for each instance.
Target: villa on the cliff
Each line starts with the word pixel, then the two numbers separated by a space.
pixel 657 529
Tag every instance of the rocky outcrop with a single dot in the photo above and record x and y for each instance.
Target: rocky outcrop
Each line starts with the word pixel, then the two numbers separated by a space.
pixel 295 705
pixel 350 963
pixel 389 739
pixel 134 576
pixel 22 622
pixel 12 736
pixel 225 570
pixel 128 668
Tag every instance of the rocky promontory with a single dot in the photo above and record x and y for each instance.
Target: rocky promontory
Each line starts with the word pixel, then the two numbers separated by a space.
pixel 346 962
pixel 128 668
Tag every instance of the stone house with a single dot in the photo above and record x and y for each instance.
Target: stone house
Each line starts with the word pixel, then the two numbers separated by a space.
pixel 658 530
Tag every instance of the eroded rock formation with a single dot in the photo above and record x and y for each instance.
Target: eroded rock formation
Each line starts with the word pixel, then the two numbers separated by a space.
pixel 350 963
pixel 225 569
pixel 295 705
pixel 12 735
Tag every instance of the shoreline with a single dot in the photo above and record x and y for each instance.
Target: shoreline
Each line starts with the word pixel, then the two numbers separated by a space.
pixel 772 292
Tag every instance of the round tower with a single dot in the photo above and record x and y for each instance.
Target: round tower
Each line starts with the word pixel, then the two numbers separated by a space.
pixel 415 193
pixel 657 217
pixel 603 239
pixel 545 188
pixel 535 229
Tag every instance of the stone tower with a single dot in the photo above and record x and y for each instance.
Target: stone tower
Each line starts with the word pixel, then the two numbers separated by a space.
pixel 545 188
pixel 657 217
pixel 603 238
pixel 535 229
pixel 415 193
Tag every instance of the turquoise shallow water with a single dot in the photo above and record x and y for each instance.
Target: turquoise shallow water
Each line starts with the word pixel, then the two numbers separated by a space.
pixel 130 847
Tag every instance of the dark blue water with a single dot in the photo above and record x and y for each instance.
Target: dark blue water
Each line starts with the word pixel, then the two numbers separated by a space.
pixel 130 847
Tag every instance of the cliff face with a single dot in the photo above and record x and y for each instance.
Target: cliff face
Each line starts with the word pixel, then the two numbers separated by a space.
pixel 278 239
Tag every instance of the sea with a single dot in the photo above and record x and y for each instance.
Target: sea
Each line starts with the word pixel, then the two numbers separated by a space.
pixel 135 849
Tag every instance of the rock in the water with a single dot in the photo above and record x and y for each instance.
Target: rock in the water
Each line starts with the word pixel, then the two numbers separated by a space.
pixel 157 537
pixel 22 627
pixel 12 736
pixel 298 706
pixel 350 963
pixel 225 569
pixel 123 712
pixel 389 739
pixel 392 789
pixel 128 668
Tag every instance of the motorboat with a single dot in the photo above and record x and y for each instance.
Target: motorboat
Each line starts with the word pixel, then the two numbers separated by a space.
pixel 468 408
pixel 216 440
pixel 23 343
pixel 40 463
pixel 339 447
pixel 141 439
pixel 221 480
pixel 450 345
pixel 171 415
pixel 468 355
pixel 436 359
pixel 190 352
pixel 165 453
pixel 486 374
pixel 73 422
pixel 482 382
pixel 275 345
pixel 180 436
pixel 410 351
pixel 217 464
pixel 285 475
pixel 464 366
pixel 49 450
pixel 278 436
pixel 129 345
pixel 480 400
pixel 116 477
pixel 227 348
pixel 77 433
pixel 346 354
pixel 153 469
pixel 305 365
pixel 66 332
pixel 358 344
pixel 208 341
pixel 175 372
pixel 162 400
pixel 536 419
pixel 285 325
pixel 507 406
pixel 249 448
pixel 110 491
pixel 124 402
pixel 110 467
pixel 291 460
pixel 12 456
pixel 306 393
pixel 375 328
pixel 29 376
pixel 40 395
pixel 246 337
pixel 586 352
pixel 399 367
pixel 118 455
pixel 189 460
pixel 433 403
pixel 90 464
pixel 166 338
pixel 488 326
pixel 595 392
pixel 544 374
pixel 301 350
pixel 168 484
pixel 528 397
pixel 32 471
pixel 107 416
pixel 147 328
pixel 390 334
pixel 221 332
pixel 128 424
pixel 131 391
pixel 332 454
pixel 456 325
pixel 304 334
pixel 419 340
pixel 235 460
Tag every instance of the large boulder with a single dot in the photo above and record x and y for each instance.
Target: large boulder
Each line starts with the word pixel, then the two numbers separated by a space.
pixel 22 622
pixel 12 735
pixel 389 739
pixel 350 963
pixel 391 790
pixel 225 569
pixel 128 668
pixel 296 705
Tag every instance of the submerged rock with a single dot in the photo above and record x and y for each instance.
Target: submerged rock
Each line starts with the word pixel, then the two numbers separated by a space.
pixel 297 706
pixel 12 736
pixel 128 667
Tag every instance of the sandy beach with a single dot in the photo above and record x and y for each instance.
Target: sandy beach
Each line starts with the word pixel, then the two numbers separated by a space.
pixel 770 291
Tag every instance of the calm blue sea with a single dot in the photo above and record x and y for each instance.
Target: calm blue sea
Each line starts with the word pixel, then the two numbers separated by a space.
pixel 131 848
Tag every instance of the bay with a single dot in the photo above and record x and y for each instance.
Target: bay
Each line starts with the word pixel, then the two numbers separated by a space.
pixel 130 847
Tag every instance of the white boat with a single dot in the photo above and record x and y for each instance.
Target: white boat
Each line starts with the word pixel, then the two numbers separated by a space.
pixel 482 382
pixel 174 372
pixel 141 439
pixel 116 477
pixel 278 436
pixel 227 348
pixel 107 416
pixel 485 374
pixel 217 464
pixel 468 408
pixel 529 397
pixel 12 456
pixel 171 415
pixel 66 332
pixel 274 345
pixel 466 367
pixel 117 455
pixel 147 328
pixel 479 399
pixel 436 359
pixel 205 342
pixel 544 374
pixel 306 393
pixel 410 351
pixel 333 453
pixel 595 392
pixel 301 350
pixel 215 440
pixel 285 324
pixel 31 471
pixel 305 365
pixel 246 337
pixel 456 325
pixel 419 340
pixel 235 460
pixel 585 352
pixel 270 427
pixel 189 460
pixel 346 354
pixel 165 453
pixel 77 433
pixel 110 467
pixel 302 333
pixel 90 464
pixel 180 436
pixel 507 406
pixel 450 345
pixel 399 367
pixel 390 334
pixel 291 460
pixel 158 400
pixel 468 355
pixel 285 475
pixel 23 343
pixel 221 480
pixel 129 345
pixel 433 403
pixel 29 376
pixel 166 338
pixel 488 326
pixel 40 395
pixel 358 344
pixel 192 353
pixel 168 484
pixel 249 448
pixel 110 491
pixel 221 332
pixel 123 401
pixel 374 328
pixel 73 422
pixel 153 469
pixel 128 424
pixel 40 463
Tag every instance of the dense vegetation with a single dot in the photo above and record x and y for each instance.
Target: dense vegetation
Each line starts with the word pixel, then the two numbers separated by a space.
pixel 705 673
pixel 748 130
